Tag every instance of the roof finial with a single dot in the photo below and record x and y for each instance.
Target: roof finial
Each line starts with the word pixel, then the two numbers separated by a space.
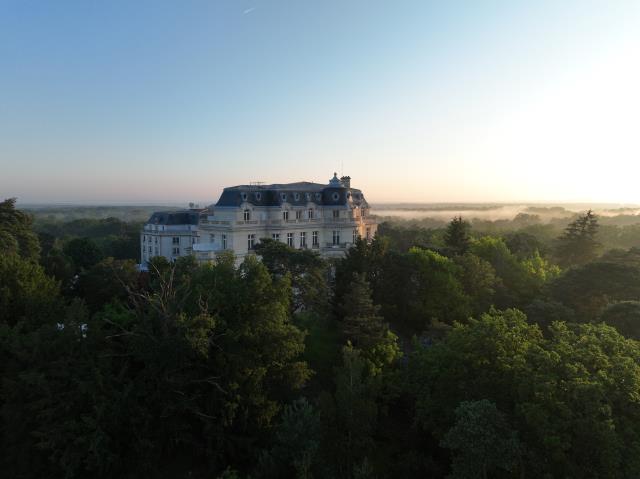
pixel 334 181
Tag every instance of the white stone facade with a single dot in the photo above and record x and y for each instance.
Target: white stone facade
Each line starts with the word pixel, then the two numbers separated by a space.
pixel 324 218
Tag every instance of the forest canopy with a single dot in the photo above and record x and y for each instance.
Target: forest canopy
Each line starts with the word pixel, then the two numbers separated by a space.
pixel 461 349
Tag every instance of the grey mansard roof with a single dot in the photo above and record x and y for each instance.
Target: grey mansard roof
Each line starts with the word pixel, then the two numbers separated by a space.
pixel 296 194
pixel 182 217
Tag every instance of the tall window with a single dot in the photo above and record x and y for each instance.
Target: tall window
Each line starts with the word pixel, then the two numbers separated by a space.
pixel 275 236
pixel 144 239
pixel 176 240
pixel 285 215
pixel 212 238
pixel 363 212
pixel 314 238
pixel 368 234
pixel 149 249
pixel 354 235
pixel 251 241
pixel 299 214
pixel 247 215
pixel 193 240
pixel 176 251
pixel 336 213
pixel 156 252
pixel 290 239
pixel 156 240
pixel 224 241
pixel 310 213
pixel 336 237
pixel 303 239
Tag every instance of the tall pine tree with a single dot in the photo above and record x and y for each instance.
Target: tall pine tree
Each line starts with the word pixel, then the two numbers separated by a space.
pixel 457 236
pixel 578 244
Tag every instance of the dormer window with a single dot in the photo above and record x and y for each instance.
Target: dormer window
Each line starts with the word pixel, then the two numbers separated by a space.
pixel 247 215
pixel 318 196
pixel 244 196
pixel 258 196
pixel 335 196
pixel 307 196
pixel 283 196
pixel 296 196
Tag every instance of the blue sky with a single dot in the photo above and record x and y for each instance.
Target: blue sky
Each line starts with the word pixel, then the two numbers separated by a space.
pixel 167 101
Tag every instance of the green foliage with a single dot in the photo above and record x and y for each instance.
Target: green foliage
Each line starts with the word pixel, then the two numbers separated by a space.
pixel 195 371
pixel 588 289
pixel 107 281
pixel 26 293
pixel 479 281
pixel 482 441
pixel 545 312
pixel 83 252
pixel 625 317
pixel 456 237
pixel 322 350
pixel 578 244
pixel 364 328
pixel 296 443
pixel 185 381
pixel 572 397
pixel 16 235
pixel 349 416
pixel 437 294
pixel 401 237
pixel 525 245
pixel 307 270
pixel 520 280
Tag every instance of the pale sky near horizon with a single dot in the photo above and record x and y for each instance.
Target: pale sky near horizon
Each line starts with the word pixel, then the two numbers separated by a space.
pixel 165 101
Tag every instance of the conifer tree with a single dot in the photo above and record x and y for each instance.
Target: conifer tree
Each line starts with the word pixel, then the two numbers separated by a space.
pixel 457 235
pixel 364 327
pixel 578 244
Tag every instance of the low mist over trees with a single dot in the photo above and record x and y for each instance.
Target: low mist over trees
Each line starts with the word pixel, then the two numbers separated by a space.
pixel 449 351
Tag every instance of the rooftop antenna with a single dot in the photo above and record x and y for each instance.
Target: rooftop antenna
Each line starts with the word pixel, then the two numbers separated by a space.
pixel 342 167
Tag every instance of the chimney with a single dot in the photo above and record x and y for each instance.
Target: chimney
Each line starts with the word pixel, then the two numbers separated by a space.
pixel 346 181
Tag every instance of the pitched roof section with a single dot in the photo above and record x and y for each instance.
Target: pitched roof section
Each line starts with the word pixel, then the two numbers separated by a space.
pixel 297 194
pixel 300 185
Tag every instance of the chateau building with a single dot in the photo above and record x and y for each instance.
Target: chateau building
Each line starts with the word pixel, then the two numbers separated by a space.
pixel 327 218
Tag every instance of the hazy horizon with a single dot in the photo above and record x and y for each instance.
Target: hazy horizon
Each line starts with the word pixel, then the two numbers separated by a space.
pixel 158 102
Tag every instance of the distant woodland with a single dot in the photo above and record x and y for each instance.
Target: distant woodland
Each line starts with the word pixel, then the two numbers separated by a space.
pixel 459 347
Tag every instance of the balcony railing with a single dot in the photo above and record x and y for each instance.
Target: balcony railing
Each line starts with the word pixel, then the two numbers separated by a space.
pixel 215 222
